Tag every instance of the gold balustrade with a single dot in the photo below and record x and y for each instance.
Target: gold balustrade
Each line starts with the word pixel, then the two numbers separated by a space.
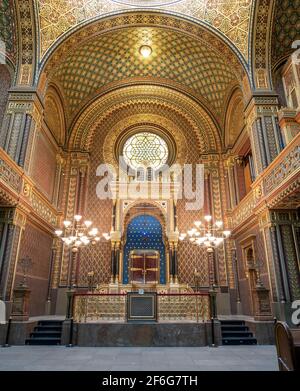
pixel 99 307
pixel 171 307
pixel 190 307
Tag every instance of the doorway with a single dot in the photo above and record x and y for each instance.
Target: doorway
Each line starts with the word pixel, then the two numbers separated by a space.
pixel 144 232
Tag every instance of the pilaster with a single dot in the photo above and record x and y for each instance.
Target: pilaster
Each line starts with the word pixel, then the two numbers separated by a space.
pixel 263 130
pixel 22 120
pixel 13 221
pixel 74 198
pixel 288 124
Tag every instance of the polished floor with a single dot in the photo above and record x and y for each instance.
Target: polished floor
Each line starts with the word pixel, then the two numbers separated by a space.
pixel 59 358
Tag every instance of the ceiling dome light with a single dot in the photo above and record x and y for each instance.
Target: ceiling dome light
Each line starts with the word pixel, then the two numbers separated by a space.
pixel 146 51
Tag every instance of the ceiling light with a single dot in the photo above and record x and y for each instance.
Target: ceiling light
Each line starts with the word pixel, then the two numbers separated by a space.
pixel 146 51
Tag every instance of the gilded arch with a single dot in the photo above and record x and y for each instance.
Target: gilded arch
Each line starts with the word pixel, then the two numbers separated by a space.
pixel 164 99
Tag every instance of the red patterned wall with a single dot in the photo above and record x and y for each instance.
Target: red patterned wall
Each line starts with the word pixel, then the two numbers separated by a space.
pixel 97 258
pixel 44 165
pixel 36 244
pixel 191 257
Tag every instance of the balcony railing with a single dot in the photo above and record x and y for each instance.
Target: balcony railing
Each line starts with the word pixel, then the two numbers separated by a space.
pixel 21 188
pixel 193 307
pixel 277 176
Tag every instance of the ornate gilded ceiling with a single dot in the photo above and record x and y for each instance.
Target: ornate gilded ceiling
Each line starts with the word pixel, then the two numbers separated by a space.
pixel 286 29
pixel 156 105
pixel 8 29
pixel 230 17
pixel 177 59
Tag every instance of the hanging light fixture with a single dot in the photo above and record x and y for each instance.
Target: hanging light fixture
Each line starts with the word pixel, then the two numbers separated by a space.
pixel 208 234
pixel 146 51
pixel 75 234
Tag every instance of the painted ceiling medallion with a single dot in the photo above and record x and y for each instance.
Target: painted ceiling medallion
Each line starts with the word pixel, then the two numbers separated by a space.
pixel 146 3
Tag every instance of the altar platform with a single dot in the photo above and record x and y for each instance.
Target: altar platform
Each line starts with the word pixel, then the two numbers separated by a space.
pixel 166 334
pixel 140 320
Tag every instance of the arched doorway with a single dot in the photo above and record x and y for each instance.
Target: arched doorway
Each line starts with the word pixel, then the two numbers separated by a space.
pixel 144 232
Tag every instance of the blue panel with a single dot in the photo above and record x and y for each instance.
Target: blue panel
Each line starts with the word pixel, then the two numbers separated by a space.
pixel 144 233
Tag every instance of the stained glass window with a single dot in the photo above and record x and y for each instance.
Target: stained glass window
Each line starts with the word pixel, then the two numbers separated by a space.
pixel 145 150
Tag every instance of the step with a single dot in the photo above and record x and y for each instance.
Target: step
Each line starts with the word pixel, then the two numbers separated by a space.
pixel 238 334
pixel 239 341
pixel 48 328
pixel 43 341
pixel 234 328
pixel 232 323
pixel 45 334
pixel 50 323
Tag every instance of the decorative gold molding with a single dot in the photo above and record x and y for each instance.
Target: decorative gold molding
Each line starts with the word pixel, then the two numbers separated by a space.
pixel 163 98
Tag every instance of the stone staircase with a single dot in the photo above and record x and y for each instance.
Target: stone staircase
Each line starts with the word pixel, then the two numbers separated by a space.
pixel 47 332
pixel 235 332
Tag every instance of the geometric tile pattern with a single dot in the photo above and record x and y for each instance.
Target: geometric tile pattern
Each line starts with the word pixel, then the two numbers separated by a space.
pixel 176 58
pixel 191 257
pixel 286 28
pixel 8 28
pixel 5 83
pixel 142 104
pixel 96 258
pixel 232 18
pixel 36 244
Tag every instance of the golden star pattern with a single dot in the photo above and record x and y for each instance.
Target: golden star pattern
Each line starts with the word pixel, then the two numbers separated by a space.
pixel 232 18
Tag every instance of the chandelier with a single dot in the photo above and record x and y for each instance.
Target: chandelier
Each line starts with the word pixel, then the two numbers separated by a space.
pixel 208 234
pixel 76 234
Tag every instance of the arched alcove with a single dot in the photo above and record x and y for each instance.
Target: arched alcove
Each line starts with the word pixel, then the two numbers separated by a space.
pixel 144 232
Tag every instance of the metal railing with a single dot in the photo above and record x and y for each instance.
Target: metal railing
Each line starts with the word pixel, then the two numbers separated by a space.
pixel 99 307
pixel 194 307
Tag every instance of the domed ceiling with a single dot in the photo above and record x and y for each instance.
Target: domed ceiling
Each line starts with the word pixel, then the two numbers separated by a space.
pixel 177 59
pixel 8 30
pixel 286 29
pixel 232 18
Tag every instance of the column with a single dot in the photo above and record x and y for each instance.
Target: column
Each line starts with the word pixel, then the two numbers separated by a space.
pixel 22 118
pixel 171 267
pixel 118 247
pixel 231 183
pixel 58 179
pixel 283 264
pixel 263 130
pixel 13 222
pixel 175 264
pixel 113 262
pixel 288 124
pixel 74 198
pixel 175 217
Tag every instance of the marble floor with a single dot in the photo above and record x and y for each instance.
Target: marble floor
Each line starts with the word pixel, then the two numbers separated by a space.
pixel 60 358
